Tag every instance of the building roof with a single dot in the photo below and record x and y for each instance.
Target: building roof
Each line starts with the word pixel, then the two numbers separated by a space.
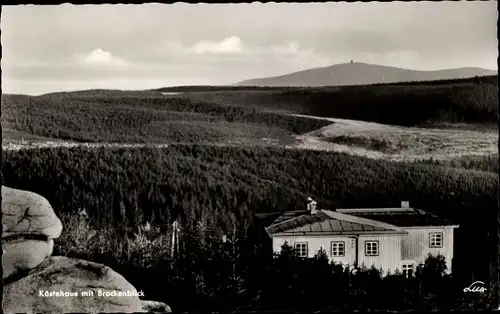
pixel 401 217
pixel 290 214
pixel 270 218
pixel 326 222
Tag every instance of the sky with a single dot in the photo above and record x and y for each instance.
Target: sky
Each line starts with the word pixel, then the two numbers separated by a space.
pixel 76 47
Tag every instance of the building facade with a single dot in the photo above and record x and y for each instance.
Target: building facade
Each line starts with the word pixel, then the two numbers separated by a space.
pixel 389 239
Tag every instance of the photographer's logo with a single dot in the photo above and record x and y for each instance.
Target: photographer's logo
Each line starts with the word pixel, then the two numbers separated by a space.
pixel 476 286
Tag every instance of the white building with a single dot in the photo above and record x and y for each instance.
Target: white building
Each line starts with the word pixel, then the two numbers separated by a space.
pixel 387 238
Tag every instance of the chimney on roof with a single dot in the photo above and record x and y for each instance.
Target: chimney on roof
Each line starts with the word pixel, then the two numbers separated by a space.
pixel 311 205
pixel 405 204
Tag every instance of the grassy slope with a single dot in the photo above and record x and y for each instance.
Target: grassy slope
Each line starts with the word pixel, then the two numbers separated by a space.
pixel 399 143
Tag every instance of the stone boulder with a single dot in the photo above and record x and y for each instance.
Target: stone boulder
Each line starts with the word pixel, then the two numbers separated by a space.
pixel 155 307
pixel 89 288
pixel 28 213
pixel 34 282
pixel 22 255
pixel 29 227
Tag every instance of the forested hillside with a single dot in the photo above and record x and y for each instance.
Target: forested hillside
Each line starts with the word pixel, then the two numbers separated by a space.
pixel 224 187
pixel 236 180
pixel 134 117
pixel 472 100
pixel 216 114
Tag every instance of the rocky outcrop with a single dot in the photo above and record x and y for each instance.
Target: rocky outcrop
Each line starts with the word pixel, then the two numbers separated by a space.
pixel 63 285
pixel 37 283
pixel 29 227
pixel 22 255
pixel 155 307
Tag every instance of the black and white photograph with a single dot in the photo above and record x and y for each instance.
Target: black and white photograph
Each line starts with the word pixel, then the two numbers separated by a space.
pixel 269 158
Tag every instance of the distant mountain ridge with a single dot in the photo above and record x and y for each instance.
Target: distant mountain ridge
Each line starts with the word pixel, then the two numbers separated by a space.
pixel 359 73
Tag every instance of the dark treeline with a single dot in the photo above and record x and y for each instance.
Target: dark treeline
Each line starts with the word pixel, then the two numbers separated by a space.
pixel 96 93
pixel 406 104
pixel 217 189
pixel 491 79
pixel 201 88
pixel 126 118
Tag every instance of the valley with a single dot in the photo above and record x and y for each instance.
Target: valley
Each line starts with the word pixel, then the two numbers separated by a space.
pixel 250 158
pixel 212 157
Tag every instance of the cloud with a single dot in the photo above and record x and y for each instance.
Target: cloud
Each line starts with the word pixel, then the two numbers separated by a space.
pixel 229 45
pixel 234 47
pixel 201 61
pixel 291 48
pixel 294 50
pixel 256 57
pixel 101 57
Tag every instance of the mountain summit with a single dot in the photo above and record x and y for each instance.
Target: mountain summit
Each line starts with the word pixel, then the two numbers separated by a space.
pixel 359 73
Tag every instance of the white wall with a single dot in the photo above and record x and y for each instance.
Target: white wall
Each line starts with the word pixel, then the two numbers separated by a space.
pixel 389 257
pixel 415 246
pixel 395 250
pixel 315 243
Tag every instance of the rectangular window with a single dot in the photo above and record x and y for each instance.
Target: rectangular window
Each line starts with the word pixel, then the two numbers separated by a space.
pixel 408 270
pixel 301 249
pixel 436 239
pixel 371 248
pixel 338 248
